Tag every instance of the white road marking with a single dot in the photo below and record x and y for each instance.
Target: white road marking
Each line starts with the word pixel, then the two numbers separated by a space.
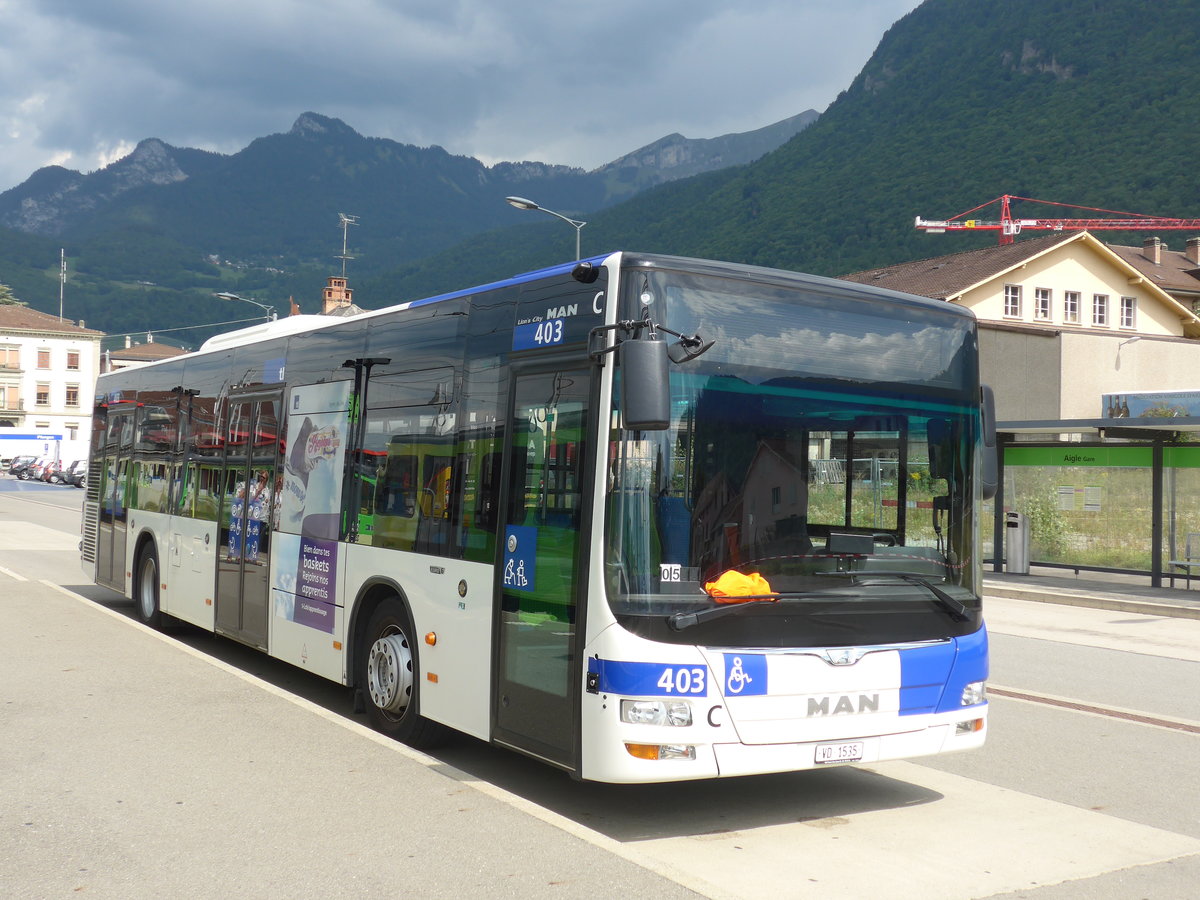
pixel 11 574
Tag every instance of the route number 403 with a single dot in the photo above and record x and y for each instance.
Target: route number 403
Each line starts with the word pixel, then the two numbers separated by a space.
pixel 682 680
pixel 549 333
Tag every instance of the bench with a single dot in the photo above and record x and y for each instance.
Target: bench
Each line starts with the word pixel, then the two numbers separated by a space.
pixel 1191 560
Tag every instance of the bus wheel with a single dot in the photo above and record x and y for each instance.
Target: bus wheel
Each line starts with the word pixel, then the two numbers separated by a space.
pixel 145 588
pixel 388 679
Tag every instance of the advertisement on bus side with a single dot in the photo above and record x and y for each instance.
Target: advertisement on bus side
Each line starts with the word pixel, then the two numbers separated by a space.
pixel 307 541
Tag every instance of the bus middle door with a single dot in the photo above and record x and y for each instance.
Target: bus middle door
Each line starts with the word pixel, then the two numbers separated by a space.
pixel 248 488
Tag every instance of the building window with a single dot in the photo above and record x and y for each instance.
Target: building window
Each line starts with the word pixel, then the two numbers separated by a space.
pixel 10 397
pixel 10 357
pixel 1012 301
pixel 1100 310
pixel 72 430
pixel 73 360
pixel 43 358
pixel 1129 312
pixel 1041 304
pixel 43 394
pixel 72 395
pixel 1071 307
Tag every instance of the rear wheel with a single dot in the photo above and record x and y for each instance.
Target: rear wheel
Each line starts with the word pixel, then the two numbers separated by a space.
pixel 145 588
pixel 388 678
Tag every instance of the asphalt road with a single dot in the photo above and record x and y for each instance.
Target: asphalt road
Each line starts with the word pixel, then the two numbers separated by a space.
pixel 141 765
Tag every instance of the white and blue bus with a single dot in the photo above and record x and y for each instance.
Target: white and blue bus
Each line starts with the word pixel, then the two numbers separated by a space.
pixel 642 517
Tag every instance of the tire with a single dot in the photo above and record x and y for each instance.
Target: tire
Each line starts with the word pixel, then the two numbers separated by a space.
pixel 388 676
pixel 145 588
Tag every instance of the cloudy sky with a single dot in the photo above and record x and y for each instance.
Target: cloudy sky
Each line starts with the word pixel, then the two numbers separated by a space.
pixel 82 81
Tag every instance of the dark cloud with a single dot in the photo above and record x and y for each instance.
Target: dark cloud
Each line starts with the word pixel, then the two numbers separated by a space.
pixel 81 82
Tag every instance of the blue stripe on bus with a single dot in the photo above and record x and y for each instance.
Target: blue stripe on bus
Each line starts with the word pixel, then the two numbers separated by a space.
pixel 932 678
pixel 643 679
pixel 561 269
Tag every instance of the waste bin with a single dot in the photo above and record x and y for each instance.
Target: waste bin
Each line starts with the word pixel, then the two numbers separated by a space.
pixel 1016 544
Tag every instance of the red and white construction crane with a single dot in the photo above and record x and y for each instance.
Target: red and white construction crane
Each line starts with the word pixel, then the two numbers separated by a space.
pixel 1009 227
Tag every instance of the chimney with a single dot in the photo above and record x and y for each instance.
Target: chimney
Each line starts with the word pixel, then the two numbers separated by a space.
pixel 1193 250
pixel 337 295
pixel 295 307
pixel 1152 250
pixel 128 341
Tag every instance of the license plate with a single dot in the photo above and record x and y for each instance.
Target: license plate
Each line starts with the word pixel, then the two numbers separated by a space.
pixel 847 751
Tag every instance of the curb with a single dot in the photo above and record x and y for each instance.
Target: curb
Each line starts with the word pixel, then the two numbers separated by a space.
pixel 1117 604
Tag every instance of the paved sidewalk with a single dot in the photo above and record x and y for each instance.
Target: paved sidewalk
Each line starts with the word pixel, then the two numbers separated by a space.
pixel 134 768
pixel 1098 590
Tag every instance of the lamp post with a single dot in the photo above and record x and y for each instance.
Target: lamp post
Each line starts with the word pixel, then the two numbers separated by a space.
pixel 270 310
pixel 522 203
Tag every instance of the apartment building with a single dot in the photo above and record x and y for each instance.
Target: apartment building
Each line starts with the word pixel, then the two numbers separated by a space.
pixel 48 369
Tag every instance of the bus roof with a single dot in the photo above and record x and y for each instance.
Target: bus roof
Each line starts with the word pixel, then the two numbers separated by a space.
pixel 305 323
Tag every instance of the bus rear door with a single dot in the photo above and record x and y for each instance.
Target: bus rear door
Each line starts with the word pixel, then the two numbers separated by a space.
pixel 113 478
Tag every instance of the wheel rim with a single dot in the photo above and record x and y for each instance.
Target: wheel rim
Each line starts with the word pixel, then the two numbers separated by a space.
pixel 147 594
pixel 389 672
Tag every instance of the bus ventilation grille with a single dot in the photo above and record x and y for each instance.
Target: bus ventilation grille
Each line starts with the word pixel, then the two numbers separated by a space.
pixel 91 526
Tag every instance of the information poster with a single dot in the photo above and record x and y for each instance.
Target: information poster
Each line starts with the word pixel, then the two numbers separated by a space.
pixel 305 585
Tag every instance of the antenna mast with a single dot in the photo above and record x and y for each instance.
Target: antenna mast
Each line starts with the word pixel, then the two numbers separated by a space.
pixel 62 279
pixel 346 222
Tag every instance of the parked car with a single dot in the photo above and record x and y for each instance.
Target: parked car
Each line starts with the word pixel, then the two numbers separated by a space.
pixel 20 462
pixel 33 471
pixel 50 471
pixel 75 474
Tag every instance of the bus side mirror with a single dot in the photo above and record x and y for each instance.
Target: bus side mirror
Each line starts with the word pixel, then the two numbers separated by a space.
pixel 989 469
pixel 645 386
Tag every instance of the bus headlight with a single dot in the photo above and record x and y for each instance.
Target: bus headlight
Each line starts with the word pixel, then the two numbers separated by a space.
pixel 974 693
pixel 656 712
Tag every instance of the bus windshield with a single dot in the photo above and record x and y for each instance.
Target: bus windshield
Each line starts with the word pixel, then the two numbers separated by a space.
pixel 816 486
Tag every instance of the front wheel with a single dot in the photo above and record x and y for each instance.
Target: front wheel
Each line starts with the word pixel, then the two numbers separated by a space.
pixel 388 679
pixel 145 588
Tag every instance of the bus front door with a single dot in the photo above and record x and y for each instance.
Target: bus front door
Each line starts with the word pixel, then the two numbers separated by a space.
pixel 539 563
pixel 114 480
pixel 248 494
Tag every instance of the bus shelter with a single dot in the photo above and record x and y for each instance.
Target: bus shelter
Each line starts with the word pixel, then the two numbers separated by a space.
pixel 1103 495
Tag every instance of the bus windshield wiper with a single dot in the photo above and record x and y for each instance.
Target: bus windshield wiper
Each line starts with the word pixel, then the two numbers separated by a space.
pixel 957 610
pixel 681 620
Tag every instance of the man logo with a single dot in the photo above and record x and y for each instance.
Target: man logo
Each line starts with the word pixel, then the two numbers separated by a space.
pixel 865 703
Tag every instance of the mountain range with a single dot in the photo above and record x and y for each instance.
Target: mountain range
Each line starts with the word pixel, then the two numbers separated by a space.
pixel 269 200
pixel 1080 101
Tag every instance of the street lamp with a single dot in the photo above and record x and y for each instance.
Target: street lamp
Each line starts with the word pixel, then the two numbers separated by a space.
pixel 522 203
pixel 270 310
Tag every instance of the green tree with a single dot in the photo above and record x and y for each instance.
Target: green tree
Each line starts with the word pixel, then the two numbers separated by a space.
pixel 7 298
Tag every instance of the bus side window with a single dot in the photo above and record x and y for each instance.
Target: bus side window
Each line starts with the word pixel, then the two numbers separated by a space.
pixel 487 497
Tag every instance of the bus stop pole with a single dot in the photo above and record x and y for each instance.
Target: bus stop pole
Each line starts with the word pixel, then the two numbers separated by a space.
pixel 1156 513
pixel 998 509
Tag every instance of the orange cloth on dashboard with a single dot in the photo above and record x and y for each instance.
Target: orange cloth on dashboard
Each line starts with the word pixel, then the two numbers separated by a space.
pixel 734 587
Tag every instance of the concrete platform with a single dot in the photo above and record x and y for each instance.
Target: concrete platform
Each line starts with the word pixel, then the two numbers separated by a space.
pixel 1097 590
